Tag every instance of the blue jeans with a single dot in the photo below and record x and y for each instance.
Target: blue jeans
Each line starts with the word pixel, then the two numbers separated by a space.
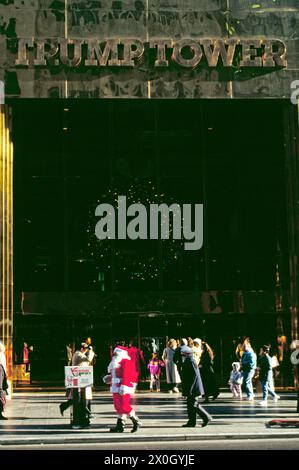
pixel 266 387
pixel 247 380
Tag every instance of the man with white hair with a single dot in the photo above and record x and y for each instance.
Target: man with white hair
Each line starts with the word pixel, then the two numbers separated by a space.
pixel 122 373
pixel 192 388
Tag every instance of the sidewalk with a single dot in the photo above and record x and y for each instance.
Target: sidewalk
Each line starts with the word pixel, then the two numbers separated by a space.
pixel 34 418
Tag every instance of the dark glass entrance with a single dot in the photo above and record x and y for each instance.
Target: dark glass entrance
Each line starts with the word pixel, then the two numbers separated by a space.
pixel 229 156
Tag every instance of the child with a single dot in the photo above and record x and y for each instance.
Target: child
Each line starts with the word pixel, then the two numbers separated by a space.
pixel 236 380
pixel 266 375
pixel 155 366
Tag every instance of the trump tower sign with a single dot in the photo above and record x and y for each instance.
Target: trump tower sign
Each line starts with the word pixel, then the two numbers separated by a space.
pixel 149 48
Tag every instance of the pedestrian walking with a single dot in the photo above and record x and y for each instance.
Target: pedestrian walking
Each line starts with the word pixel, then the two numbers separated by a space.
pixel 192 388
pixel 79 359
pixel 172 375
pixel 155 367
pixel 207 373
pixel 3 391
pixel 248 366
pixel 236 380
pixel 240 347
pixel 295 362
pixel 137 359
pixel 266 375
pixel 177 358
pixel 122 370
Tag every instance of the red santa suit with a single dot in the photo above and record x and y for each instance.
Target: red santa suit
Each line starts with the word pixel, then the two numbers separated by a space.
pixel 121 369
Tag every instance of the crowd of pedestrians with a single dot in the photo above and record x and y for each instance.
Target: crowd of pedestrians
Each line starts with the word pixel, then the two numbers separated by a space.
pixel 188 365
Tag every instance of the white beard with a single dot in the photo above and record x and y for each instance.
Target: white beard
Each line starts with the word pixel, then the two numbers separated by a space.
pixel 115 363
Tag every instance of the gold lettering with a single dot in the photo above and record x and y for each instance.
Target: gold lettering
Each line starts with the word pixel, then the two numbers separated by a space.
pixel 64 52
pixel 271 58
pixel 161 45
pixel 98 56
pixel 40 53
pixel 133 49
pixel 249 53
pixel 224 49
pixel 193 46
pixel 22 51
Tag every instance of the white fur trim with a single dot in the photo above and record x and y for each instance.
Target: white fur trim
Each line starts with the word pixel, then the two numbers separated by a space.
pixel 115 380
pixel 122 353
pixel 125 390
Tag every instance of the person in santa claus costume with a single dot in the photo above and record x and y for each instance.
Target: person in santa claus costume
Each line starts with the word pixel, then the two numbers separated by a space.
pixel 122 371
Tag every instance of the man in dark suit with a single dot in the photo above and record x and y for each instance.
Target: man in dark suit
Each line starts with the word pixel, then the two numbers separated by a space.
pixel 191 388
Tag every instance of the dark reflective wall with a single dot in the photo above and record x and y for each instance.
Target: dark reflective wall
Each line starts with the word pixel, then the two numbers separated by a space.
pixel 228 156
pixel 69 156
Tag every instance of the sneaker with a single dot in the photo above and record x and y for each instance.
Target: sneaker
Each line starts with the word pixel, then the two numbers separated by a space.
pixel 263 403
pixel 176 390
pixel 276 398
pixel 251 398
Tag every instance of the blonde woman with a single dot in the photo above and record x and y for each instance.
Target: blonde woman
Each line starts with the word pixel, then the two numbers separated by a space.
pixel 172 375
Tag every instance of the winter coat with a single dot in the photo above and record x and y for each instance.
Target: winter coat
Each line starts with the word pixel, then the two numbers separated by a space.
pixel 172 375
pixel 191 379
pixel 236 377
pixel 208 375
pixel 80 359
pixel 3 380
pixel 265 363
pixel 155 367
pixel 248 361
pixel 136 356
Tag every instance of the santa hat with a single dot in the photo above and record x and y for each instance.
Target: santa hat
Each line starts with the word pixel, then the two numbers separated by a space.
pixel 121 352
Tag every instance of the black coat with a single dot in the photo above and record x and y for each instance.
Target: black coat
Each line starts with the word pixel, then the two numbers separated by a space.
pixel 177 359
pixel 191 380
pixel 208 375
pixel 266 373
pixel 3 379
